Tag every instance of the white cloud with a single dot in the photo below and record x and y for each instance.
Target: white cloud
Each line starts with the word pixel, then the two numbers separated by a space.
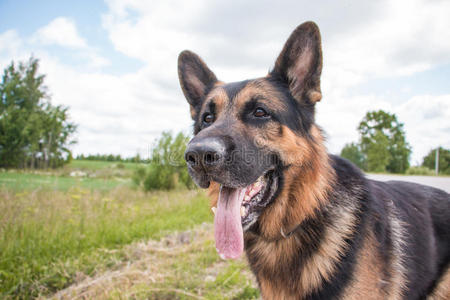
pixel 10 42
pixel 388 39
pixel 362 40
pixel 116 113
pixel 62 32
pixel 427 123
pixel 410 37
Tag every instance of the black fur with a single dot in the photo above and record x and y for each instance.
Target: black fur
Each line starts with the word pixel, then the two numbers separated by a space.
pixel 233 88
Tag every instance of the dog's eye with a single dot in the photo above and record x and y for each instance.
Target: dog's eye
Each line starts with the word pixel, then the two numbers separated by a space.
pixel 208 118
pixel 260 113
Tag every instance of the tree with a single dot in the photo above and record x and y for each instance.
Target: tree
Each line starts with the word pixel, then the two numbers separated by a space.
pixel 353 153
pixel 429 161
pixel 378 155
pixel 33 132
pixel 380 129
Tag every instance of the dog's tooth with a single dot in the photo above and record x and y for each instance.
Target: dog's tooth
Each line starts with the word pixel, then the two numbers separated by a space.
pixel 214 209
pixel 242 211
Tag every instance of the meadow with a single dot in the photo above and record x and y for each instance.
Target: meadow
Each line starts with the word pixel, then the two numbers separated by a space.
pixel 85 232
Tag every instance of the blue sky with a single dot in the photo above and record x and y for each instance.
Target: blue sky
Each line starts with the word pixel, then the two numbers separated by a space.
pixel 27 16
pixel 114 62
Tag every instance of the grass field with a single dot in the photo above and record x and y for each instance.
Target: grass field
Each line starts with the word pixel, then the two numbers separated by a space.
pixel 21 181
pixel 76 237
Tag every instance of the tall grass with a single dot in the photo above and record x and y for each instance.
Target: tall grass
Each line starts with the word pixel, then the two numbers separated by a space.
pixel 47 236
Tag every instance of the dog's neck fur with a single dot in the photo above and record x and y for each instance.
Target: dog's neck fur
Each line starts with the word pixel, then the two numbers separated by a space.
pixel 306 184
pixel 301 209
pixel 299 264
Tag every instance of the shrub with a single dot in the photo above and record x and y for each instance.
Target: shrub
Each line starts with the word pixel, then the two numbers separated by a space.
pixel 138 176
pixel 159 177
pixel 419 171
pixel 167 169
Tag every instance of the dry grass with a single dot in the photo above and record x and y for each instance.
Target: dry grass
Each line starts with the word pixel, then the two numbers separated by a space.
pixel 181 266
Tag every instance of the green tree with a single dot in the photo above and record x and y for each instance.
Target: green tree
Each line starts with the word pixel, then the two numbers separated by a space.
pixel 33 133
pixel 378 155
pixel 429 161
pixel 372 128
pixel 353 153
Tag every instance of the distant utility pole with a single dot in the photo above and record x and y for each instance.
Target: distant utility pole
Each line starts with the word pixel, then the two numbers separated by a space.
pixel 437 161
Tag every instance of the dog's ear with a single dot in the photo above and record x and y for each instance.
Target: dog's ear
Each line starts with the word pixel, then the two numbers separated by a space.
pixel 300 63
pixel 196 79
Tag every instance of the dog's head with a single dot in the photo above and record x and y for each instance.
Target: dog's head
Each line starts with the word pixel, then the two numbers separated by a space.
pixel 248 134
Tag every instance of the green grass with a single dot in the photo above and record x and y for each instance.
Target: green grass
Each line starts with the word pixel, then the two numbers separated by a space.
pixel 98 165
pixel 18 181
pixel 100 169
pixel 46 236
pixel 56 228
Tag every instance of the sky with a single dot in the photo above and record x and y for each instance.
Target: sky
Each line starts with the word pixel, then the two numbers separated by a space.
pixel 114 62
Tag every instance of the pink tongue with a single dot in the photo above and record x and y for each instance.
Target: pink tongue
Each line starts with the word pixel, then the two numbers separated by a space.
pixel 227 223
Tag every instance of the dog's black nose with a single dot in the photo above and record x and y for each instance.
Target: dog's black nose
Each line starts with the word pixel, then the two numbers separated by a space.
pixel 207 153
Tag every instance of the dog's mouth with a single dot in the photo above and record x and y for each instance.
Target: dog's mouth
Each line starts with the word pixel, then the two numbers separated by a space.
pixel 238 209
pixel 258 196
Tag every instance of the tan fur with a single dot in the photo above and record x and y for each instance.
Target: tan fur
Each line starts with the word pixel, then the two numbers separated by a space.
pixel 220 98
pixel 319 267
pixel 267 94
pixel 314 96
pixel 267 250
pixel 216 92
pixel 398 278
pixel 310 174
pixel 323 262
pixel 442 290
pixel 270 291
pixel 213 193
pixel 368 282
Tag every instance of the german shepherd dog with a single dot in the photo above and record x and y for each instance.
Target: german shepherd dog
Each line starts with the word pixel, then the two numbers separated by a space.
pixel 312 225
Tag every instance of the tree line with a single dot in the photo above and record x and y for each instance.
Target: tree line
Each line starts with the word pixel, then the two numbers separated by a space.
pixel 33 132
pixel 111 157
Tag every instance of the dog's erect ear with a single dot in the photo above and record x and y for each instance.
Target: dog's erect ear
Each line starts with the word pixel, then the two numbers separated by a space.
pixel 300 63
pixel 196 79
